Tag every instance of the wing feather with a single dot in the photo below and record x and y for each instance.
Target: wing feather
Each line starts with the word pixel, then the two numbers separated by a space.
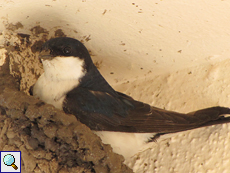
pixel 104 112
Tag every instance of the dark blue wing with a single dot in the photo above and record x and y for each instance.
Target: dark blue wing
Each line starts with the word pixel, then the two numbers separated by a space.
pixel 102 111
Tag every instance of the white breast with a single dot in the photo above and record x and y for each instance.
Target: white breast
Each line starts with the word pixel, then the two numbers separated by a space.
pixel 61 75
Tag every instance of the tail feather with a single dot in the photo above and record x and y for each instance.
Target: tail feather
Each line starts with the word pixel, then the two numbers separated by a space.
pixel 162 121
pixel 208 117
pixel 211 116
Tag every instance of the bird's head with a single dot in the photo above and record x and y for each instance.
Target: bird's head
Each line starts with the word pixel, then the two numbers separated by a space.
pixel 65 58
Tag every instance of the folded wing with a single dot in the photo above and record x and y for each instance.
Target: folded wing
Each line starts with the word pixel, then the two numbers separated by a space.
pixel 104 112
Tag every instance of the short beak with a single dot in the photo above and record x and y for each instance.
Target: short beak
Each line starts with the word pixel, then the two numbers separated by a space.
pixel 45 54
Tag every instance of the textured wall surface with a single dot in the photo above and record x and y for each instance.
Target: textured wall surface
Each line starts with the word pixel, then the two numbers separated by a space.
pixel 170 54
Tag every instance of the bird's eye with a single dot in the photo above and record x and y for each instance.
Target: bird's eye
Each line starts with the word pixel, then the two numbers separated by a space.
pixel 67 50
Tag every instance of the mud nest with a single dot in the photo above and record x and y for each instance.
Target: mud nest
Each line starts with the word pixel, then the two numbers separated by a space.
pixel 49 139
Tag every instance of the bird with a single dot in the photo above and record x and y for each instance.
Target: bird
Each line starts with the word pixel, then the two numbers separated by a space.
pixel 72 83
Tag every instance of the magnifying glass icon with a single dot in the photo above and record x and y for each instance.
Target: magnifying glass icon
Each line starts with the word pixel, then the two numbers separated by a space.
pixel 9 160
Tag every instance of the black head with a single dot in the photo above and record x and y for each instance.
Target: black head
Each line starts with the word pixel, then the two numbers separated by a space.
pixel 65 47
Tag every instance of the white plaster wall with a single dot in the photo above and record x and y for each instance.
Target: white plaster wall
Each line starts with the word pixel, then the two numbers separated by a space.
pixel 170 54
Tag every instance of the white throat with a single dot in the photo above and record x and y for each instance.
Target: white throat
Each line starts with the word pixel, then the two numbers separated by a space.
pixel 61 75
pixel 63 68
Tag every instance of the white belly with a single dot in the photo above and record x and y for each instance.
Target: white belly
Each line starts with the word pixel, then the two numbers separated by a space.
pixel 126 144
pixel 53 92
pixel 129 144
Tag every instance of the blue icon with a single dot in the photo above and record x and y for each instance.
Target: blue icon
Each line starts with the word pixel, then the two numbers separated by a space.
pixel 9 160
